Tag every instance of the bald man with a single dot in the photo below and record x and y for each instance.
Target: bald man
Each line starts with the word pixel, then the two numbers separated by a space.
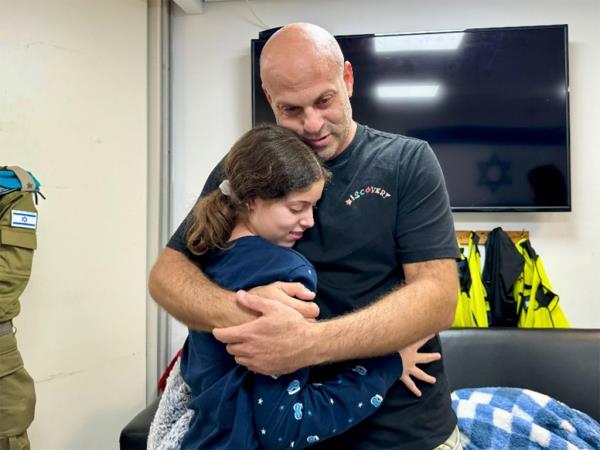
pixel 383 245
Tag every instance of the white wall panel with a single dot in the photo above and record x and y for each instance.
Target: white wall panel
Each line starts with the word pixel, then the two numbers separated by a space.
pixel 73 112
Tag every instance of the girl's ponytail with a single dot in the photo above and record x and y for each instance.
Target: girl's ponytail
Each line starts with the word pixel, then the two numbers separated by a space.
pixel 214 218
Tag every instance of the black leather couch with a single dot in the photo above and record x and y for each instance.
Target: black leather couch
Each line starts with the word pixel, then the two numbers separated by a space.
pixel 564 364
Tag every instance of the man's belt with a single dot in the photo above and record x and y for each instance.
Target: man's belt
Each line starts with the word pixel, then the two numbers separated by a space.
pixel 6 327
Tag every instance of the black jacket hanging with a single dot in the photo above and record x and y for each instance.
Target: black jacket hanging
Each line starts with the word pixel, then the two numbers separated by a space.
pixel 503 264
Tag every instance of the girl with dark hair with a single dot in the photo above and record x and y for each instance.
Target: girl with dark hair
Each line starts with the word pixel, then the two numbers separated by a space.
pixel 266 165
pixel 244 233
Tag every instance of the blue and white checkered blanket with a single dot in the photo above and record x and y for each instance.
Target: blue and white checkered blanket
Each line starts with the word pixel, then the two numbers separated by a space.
pixel 511 418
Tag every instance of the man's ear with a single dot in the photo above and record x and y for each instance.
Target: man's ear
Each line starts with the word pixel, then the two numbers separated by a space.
pixel 348 77
pixel 266 94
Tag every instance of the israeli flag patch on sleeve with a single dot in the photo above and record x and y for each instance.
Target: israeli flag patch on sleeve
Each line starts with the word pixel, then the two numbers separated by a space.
pixel 23 219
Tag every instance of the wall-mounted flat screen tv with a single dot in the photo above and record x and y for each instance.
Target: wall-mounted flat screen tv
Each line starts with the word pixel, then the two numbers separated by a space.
pixel 492 102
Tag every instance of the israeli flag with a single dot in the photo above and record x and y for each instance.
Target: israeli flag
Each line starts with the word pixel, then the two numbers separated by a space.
pixel 23 219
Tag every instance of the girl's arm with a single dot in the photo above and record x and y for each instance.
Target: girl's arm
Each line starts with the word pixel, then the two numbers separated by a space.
pixel 289 411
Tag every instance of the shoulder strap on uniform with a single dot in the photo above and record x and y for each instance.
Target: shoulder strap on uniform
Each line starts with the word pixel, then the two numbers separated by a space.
pixel 26 180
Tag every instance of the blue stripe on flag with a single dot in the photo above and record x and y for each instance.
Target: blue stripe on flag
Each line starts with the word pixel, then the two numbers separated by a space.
pixel 25 224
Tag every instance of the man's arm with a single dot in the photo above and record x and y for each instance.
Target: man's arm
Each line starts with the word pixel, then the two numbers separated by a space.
pixel 183 290
pixel 424 305
pixel 277 342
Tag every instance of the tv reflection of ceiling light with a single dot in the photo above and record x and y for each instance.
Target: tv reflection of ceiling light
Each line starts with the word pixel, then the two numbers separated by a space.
pixel 418 42
pixel 415 91
pixel 563 91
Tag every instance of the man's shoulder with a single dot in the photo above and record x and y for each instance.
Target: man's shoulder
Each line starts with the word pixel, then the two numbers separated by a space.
pixel 391 149
pixel 373 134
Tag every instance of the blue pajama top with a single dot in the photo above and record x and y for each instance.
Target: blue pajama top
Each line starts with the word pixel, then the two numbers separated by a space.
pixel 236 409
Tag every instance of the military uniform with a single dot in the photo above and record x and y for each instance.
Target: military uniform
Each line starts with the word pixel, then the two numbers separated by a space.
pixel 18 223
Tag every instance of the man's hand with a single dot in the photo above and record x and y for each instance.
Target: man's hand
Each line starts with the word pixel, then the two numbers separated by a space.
pixel 276 343
pixel 294 295
pixel 410 358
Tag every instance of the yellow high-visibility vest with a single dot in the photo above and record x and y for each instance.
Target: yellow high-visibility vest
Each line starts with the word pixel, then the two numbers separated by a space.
pixel 472 308
pixel 537 303
pixel 463 316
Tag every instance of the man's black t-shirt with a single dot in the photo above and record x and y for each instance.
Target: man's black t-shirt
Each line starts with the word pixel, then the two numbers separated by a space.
pixel 387 205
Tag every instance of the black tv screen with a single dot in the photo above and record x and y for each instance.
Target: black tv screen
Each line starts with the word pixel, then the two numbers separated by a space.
pixel 493 103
